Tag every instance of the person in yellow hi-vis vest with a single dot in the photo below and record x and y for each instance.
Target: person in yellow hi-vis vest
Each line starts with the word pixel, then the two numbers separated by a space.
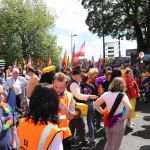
pixel 66 107
pixel 39 129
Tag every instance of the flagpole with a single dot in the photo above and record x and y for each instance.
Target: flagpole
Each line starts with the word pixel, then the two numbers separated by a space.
pixel 72 35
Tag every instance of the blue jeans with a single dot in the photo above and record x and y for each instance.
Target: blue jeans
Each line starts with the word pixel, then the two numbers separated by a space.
pixel 90 116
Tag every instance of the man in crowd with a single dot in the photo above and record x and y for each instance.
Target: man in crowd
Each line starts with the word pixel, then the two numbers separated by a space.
pixel 16 83
pixel 66 106
pixel 32 82
pixel 78 123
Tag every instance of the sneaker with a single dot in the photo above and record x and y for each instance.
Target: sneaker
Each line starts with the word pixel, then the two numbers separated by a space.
pixel 75 143
pixel 130 125
pixel 88 145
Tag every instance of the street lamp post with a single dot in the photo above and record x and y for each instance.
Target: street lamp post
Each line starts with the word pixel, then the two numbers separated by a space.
pixel 72 35
pixel 103 32
pixel 119 45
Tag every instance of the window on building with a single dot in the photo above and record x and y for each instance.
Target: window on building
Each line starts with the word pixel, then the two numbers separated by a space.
pixel 110 47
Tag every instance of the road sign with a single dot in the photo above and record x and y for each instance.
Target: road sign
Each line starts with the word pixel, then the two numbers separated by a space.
pixel 141 54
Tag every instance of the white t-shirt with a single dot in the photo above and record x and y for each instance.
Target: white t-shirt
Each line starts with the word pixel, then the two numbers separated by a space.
pixel 110 97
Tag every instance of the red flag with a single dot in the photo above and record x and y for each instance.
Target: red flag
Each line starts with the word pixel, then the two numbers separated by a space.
pixel 75 61
pixel 81 51
pixel 15 64
pixel 106 61
pixel 98 64
pixel 29 62
pixel 49 61
pixel 64 60
pixel 38 62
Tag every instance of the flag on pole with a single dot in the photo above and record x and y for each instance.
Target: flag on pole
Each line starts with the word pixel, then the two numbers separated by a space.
pixel 15 64
pixel 23 61
pixel 97 64
pixel 49 61
pixel 38 62
pixel 93 62
pixel 81 51
pixel 64 60
pixel 29 62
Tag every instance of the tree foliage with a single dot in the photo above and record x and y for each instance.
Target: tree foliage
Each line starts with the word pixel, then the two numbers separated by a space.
pixel 25 30
pixel 129 18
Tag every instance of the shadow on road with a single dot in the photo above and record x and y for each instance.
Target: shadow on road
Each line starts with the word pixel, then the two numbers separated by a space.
pixel 146 118
pixel 145 147
pixel 127 131
pixel 143 107
pixel 145 134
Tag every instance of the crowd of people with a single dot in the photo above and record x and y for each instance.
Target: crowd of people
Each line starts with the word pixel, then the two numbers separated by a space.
pixel 48 109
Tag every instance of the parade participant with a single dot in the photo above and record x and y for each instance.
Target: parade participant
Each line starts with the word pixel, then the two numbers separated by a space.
pixel 78 123
pixel 114 115
pixel 146 84
pixel 66 70
pixel 48 74
pixel 32 82
pixel 9 71
pixel 38 130
pixel 66 106
pixel 7 125
pixel 2 78
pixel 87 88
pixel 144 74
pixel 105 84
pixel 132 92
pixel 92 75
pixel 115 73
pixel 16 83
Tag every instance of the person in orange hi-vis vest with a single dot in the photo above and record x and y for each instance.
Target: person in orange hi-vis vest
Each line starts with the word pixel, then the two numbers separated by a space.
pixel 39 129
pixel 66 107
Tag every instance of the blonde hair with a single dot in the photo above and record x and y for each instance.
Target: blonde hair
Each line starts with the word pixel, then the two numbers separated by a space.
pixel 60 77
pixel 92 71
pixel 128 70
pixel 117 85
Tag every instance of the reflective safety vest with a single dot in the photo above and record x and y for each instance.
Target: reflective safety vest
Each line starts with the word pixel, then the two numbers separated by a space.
pixel 67 99
pixel 36 137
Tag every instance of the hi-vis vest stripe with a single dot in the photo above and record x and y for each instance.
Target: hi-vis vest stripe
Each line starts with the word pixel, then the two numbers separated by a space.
pixel 44 136
pixel 67 100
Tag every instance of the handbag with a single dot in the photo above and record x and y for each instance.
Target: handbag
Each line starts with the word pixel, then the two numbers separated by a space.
pixel 80 110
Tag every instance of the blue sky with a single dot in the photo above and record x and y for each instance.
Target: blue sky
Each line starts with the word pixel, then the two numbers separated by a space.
pixel 71 19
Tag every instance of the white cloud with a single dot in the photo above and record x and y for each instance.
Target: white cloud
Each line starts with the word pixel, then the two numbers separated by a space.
pixel 94 48
pixel 71 15
pixel 71 19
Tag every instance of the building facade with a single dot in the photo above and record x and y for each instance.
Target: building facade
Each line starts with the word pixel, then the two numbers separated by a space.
pixel 112 49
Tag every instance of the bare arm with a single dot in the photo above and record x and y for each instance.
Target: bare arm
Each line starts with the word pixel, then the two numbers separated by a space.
pixel 70 112
pixel 97 105
pixel 127 106
pixel 75 90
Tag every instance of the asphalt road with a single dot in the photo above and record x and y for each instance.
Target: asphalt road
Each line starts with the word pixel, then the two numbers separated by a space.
pixel 137 139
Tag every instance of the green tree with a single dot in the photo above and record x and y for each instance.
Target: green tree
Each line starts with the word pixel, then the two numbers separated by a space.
pixel 25 30
pixel 129 18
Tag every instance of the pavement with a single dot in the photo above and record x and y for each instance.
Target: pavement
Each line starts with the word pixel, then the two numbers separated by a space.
pixel 137 139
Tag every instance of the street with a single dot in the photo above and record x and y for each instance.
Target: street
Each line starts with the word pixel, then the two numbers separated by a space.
pixel 138 139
